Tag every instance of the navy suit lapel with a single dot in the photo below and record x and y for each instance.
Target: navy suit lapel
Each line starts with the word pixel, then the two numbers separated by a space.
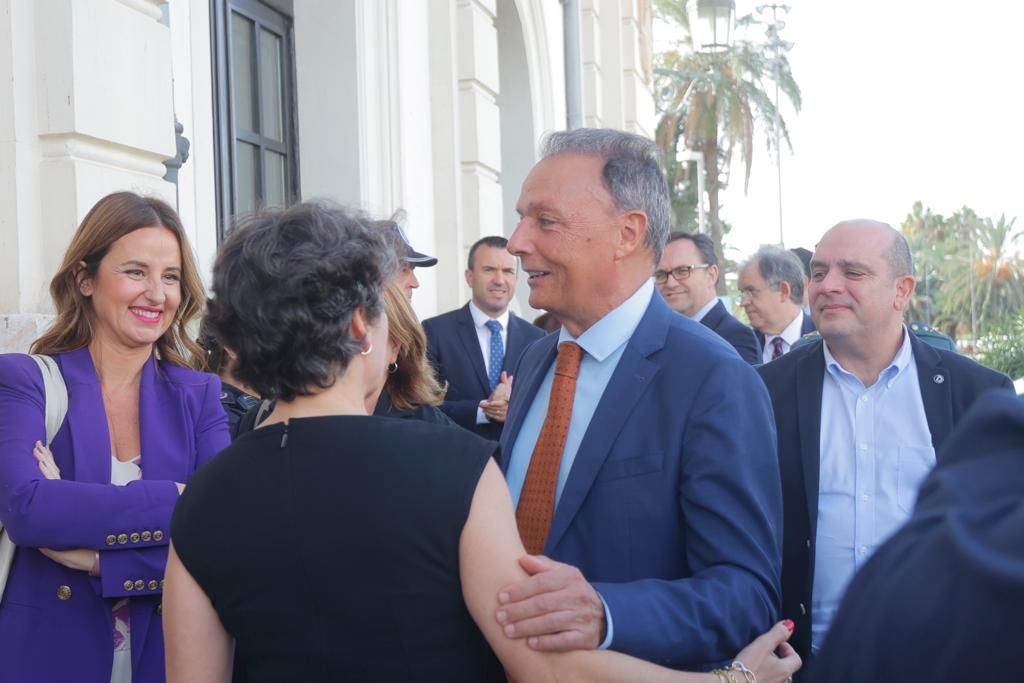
pixel 933 380
pixel 810 379
pixel 514 344
pixel 466 331
pixel 628 383
pixel 525 388
pixel 714 317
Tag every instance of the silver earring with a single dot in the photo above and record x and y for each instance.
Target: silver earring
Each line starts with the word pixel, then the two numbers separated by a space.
pixel 367 351
pixel 392 368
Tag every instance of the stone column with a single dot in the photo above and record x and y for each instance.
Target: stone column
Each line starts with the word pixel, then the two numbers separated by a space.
pixel 86 109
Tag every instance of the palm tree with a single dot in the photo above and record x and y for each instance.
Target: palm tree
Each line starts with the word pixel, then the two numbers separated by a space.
pixel 987 266
pixel 711 103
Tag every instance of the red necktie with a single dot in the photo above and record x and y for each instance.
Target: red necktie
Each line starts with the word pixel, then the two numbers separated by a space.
pixel 776 347
pixel 537 499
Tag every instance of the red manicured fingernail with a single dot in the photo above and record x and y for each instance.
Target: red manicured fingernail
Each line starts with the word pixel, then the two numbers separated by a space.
pixel 788 623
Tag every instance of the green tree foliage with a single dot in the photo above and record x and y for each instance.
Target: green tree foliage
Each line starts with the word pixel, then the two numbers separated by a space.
pixel 1003 347
pixel 960 257
pixel 711 103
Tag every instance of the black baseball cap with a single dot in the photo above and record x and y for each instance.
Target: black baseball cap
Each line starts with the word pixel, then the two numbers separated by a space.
pixel 412 256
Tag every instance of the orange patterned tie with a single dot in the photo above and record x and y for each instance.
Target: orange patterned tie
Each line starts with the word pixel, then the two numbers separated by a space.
pixel 537 500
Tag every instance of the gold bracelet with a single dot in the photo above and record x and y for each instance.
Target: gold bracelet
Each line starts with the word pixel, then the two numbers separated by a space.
pixel 724 675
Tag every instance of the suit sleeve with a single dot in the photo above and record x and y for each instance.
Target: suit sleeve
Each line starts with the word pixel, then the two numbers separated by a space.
pixel 66 514
pixel 744 341
pixel 461 411
pixel 124 565
pixel 730 499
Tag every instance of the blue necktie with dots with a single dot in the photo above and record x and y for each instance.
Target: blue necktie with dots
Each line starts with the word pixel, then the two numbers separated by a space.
pixel 497 353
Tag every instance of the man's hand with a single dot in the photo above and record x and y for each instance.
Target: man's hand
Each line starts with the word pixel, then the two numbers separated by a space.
pixel 496 406
pixel 555 609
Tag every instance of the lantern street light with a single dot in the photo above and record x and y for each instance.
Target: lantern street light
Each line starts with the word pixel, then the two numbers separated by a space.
pixel 713 28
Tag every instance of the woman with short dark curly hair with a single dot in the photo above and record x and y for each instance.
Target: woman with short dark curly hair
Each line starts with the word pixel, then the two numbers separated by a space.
pixel 330 544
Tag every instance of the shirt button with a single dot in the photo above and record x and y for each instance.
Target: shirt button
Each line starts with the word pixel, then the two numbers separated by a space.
pixel 863 399
pixel 863 446
pixel 863 550
pixel 865 497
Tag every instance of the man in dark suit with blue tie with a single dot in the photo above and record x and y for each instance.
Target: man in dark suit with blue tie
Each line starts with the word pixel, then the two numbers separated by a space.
pixel 687 276
pixel 641 462
pixel 474 348
pixel 860 414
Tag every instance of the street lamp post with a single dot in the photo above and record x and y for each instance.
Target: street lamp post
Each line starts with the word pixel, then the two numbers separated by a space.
pixel 713 28
pixel 777 44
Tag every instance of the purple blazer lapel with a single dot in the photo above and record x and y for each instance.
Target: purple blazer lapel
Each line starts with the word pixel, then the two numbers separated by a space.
pixel 86 419
pixel 167 449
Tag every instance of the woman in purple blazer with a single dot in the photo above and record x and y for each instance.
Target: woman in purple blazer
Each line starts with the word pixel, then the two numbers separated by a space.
pixel 90 521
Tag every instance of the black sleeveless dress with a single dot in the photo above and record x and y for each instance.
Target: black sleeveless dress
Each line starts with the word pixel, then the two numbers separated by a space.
pixel 330 549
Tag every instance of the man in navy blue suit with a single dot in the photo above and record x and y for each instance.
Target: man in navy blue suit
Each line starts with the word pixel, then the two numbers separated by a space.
pixel 772 293
pixel 941 599
pixel 651 472
pixel 860 414
pixel 475 348
pixel 687 276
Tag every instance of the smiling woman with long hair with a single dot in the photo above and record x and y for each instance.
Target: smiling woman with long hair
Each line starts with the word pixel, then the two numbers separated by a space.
pixel 90 515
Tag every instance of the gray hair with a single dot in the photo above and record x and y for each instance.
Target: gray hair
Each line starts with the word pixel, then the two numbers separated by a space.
pixel 632 174
pixel 777 266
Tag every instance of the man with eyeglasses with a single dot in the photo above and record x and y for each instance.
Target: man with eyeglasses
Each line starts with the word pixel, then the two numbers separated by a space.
pixel 686 277
pixel 772 293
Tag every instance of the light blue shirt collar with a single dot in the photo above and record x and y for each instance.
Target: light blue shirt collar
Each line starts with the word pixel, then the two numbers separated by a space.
pixel 899 362
pixel 602 338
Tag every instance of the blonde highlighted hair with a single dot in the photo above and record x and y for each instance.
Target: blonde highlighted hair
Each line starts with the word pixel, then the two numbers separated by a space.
pixel 413 384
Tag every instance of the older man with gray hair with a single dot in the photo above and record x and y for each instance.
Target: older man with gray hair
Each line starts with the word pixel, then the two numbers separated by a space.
pixel 662 521
pixel 772 293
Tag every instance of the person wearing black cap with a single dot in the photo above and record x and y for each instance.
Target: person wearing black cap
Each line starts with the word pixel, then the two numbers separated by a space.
pixel 941 599
pixel 410 259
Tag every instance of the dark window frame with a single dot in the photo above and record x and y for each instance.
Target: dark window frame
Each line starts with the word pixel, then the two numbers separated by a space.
pixel 276 17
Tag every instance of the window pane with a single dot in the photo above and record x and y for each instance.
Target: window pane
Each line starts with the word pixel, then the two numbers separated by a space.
pixel 241 72
pixel 246 188
pixel 270 84
pixel 273 168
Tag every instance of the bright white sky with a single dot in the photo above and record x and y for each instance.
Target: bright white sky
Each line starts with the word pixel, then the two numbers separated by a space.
pixel 903 100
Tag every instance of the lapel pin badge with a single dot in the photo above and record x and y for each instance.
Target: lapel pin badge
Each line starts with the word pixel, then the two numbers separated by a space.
pixel 938 379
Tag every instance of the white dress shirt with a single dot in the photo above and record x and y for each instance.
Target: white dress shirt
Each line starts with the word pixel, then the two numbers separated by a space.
pixel 876 448
pixel 789 336
pixel 483 337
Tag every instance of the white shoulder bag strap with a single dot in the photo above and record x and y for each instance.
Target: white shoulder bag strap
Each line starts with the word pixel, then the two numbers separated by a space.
pixel 56 393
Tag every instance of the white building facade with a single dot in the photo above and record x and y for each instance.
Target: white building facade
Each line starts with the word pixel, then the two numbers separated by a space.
pixel 434 107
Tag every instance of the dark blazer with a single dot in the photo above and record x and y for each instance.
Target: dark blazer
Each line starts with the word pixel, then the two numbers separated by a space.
pixel 182 425
pixel 454 351
pixel 941 599
pixel 805 328
pixel 733 331
pixel 949 385
pixel 670 510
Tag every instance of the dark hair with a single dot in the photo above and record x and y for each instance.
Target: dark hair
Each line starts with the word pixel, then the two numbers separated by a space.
pixel 286 284
pixel 703 243
pixel 777 266
pixel 490 241
pixel 216 356
pixel 110 219
pixel 632 174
